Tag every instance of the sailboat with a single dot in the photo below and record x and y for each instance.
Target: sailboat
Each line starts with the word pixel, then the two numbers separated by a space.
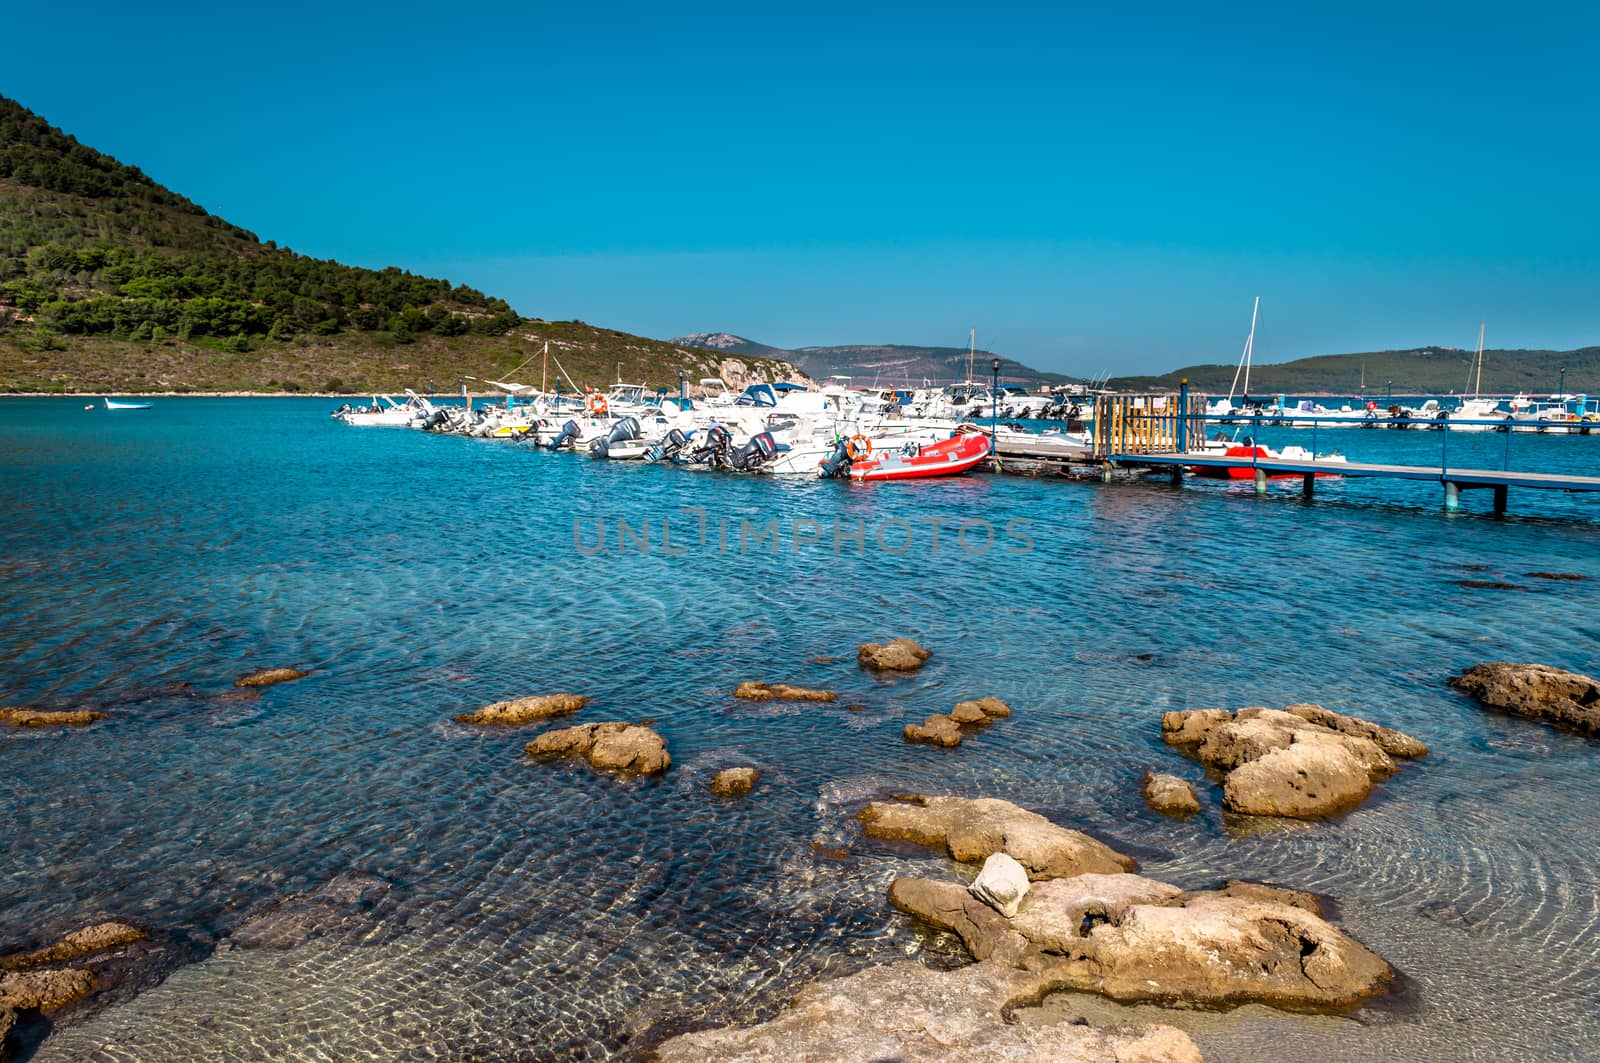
pixel 110 405
pixel 1476 408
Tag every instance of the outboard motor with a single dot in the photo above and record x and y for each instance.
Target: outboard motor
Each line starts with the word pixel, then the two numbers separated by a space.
pixel 346 408
pixel 838 464
pixel 627 428
pixel 755 453
pixel 713 448
pixel 567 437
pixel 674 441
pixel 432 422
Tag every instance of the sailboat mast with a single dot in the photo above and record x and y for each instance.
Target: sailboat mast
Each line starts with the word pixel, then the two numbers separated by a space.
pixel 1478 386
pixel 1244 358
pixel 972 348
pixel 1250 345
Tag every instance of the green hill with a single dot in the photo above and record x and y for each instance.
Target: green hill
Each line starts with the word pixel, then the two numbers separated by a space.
pixel 1423 371
pixel 110 282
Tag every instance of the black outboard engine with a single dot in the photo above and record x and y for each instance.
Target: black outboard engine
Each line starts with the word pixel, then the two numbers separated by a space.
pixel 674 441
pixel 713 448
pixel 567 437
pixel 754 454
pixel 432 422
pixel 342 409
pixel 838 464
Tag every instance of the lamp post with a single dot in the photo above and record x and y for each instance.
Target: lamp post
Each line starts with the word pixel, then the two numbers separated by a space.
pixel 994 395
pixel 1388 390
pixel 1561 388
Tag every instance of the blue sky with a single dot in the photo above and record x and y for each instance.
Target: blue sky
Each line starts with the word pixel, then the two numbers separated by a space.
pixel 1092 190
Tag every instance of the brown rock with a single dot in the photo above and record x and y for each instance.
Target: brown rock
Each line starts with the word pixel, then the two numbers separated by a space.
pixel 980 711
pixel 101 937
pixel 1136 939
pixel 734 782
pixel 1311 778
pixel 1170 795
pixel 1569 700
pixel 971 829
pixel 524 710
pixel 1298 762
pixel 23 717
pixel 1392 742
pixel 268 676
pixel 623 747
pixel 781 692
pixel 900 655
pixel 937 730
pixel 913 1014
pixel 44 990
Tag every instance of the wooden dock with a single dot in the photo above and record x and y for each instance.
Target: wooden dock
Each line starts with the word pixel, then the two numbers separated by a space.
pixel 1500 481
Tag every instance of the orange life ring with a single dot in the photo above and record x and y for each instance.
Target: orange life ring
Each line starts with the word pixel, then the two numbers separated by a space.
pixel 858 447
pixel 597 404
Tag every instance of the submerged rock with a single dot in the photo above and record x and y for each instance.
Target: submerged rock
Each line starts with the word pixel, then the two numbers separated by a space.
pixel 781 692
pixel 734 782
pixel 524 710
pixel 1136 939
pixel 265 677
pixel 101 937
pixel 898 655
pixel 981 710
pixel 341 905
pixel 1170 795
pixel 25 717
pixel 1569 700
pixel 972 829
pixel 613 746
pixel 907 1012
pixel 1304 762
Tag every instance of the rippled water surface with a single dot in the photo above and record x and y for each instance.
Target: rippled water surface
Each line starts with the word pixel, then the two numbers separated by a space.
pixel 486 907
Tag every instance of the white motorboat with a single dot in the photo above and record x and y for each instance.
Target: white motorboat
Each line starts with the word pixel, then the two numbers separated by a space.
pixel 385 411
pixel 113 405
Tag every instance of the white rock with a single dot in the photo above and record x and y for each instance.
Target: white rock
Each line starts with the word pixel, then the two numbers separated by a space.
pixel 1001 884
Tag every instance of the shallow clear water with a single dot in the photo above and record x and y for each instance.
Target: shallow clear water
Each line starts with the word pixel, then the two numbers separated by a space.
pixel 521 910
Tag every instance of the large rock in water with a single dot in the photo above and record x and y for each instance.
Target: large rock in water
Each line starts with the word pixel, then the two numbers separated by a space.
pixel 907 1012
pixel 623 747
pixel 972 829
pixel 1304 762
pixel 1136 939
pixel 898 655
pixel 524 710
pixel 1564 699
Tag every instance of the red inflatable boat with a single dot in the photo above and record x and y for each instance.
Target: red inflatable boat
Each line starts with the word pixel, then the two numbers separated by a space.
pixel 916 462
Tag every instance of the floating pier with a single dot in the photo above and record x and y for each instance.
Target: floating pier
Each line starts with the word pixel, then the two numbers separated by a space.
pixel 1153 431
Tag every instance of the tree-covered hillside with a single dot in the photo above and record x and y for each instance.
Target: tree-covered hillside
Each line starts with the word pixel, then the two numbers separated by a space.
pixel 108 281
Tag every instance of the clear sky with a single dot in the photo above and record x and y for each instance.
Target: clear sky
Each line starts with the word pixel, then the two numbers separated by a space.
pixel 1091 189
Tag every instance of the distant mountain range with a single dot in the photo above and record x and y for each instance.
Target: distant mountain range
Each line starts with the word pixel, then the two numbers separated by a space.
pixel 1419 371
pixel 888 365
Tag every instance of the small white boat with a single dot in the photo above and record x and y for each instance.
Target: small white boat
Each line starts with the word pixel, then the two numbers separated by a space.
pixel 110 405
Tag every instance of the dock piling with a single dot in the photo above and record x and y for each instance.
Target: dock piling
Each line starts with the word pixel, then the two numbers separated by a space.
pixel 1308 485
pixel 1500 493
pixel 1452 496
pixel 1261 481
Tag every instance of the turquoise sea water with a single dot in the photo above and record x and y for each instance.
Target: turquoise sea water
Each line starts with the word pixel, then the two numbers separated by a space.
pixel 518 910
